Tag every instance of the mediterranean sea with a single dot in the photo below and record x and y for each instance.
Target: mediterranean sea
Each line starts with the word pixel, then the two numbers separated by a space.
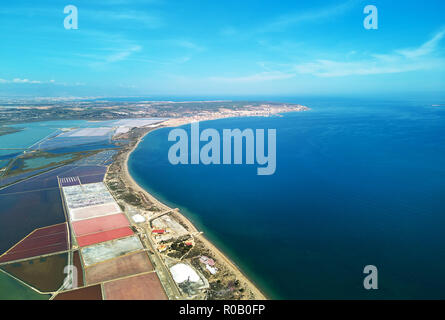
pixel 357 183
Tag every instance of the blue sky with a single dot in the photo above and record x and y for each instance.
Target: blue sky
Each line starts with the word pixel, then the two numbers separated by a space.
pixel 221 48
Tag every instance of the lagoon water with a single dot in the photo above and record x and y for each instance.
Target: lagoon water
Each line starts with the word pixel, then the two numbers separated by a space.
pixel 357 183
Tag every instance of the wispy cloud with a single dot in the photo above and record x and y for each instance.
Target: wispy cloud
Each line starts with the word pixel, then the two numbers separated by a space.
pixel 315 15
pixel 136 18
pixel 398 61
pixel 283 22
pixel 122 55
pixel 424 57
pixel 425 49
pixel 25 81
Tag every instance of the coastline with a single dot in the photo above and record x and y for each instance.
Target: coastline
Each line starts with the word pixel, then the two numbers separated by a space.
pixel 218 255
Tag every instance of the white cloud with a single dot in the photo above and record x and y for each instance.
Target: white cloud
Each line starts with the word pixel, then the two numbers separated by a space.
pixel 425 49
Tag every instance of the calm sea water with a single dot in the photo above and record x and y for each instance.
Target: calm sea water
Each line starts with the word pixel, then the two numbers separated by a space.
pixel 357 183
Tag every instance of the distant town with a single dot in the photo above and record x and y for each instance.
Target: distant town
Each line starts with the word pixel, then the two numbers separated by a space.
pixel 44 109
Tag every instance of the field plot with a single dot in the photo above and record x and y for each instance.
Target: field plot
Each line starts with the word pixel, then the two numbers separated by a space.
pixel 109 250
pixel 44 273
pixel 104 236
pixel 87 293
pixel 120 267
pixel 141 287
pixel 100 224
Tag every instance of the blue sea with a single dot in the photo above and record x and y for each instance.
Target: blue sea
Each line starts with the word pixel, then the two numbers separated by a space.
pixel 358 182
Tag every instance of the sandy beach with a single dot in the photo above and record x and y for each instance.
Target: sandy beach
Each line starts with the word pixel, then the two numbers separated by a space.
pixel 217 254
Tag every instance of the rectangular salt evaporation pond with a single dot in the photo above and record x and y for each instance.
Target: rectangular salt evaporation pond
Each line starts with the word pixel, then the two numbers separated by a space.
pixel 85 147
pixel 95 225
pixel 41 241
pixel 48 179
pixel 141 287
pixel 87 293
pixel 86 174
pixel 34 132
pixel 109 250
pixel 94 211
pixel 92 194
pixel 89 200
pixel 22 213
pixel 104 236
pixel 43 181
pixel 9 180
pixel 127 265
pixel 77 137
